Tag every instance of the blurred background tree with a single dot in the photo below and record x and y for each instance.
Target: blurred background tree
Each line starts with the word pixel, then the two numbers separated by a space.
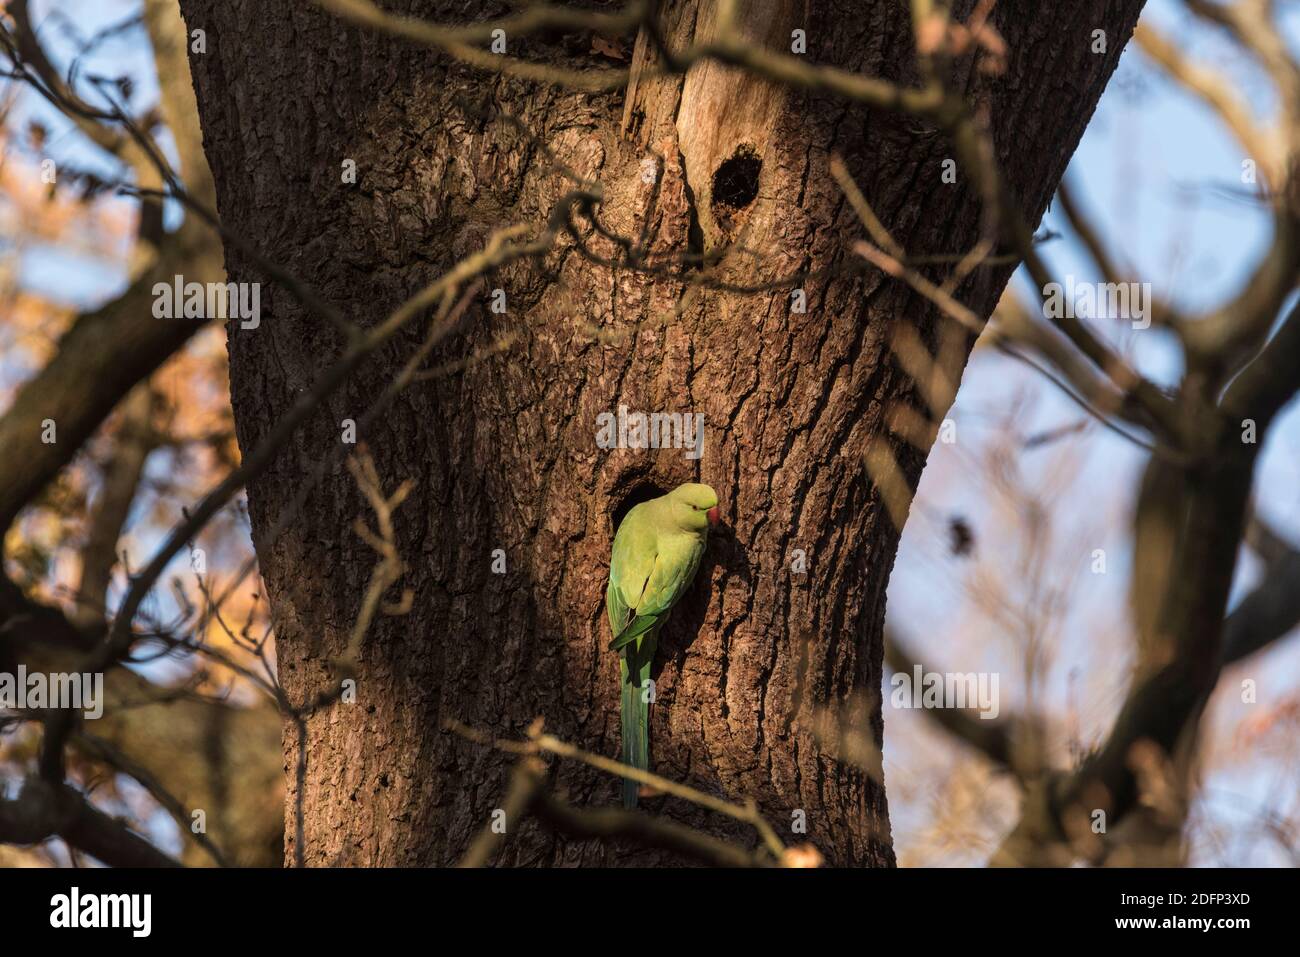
pixel 180 734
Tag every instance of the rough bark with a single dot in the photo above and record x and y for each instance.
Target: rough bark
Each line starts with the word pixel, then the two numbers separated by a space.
pixel 505 453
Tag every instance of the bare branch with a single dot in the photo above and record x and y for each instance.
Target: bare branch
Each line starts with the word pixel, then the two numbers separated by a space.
pixel 539 741
pixel 116 759
pixel 42 811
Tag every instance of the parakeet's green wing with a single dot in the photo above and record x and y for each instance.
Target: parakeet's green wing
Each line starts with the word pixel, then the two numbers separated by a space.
pixel 616 609
pixel 670 575
pixel 674 570
pixel 662 590
pixel 630 566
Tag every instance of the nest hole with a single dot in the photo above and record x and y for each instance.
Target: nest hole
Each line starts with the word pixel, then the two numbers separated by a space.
pixel 735 182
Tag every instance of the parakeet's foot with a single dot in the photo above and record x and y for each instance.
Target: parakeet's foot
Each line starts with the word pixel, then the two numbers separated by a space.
pixel 649 791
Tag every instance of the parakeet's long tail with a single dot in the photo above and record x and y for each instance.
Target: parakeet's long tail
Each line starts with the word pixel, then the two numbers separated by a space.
pixel 634 678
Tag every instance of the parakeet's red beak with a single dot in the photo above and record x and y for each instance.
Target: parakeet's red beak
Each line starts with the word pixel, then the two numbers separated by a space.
pixel 713 516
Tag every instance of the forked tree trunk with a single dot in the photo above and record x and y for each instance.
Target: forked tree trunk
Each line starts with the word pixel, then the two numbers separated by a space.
pixel 506 453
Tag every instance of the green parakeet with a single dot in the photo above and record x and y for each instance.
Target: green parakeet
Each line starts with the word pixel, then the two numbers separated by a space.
pixel 657 549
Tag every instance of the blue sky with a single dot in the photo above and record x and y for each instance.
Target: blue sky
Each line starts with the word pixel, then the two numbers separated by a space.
pixel 1155 171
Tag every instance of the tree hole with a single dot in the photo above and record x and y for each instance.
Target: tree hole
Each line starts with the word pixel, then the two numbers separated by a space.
pixel 735 183
pixel 641 492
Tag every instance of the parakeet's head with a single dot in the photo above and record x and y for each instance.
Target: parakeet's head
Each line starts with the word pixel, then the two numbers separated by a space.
pixel 695 506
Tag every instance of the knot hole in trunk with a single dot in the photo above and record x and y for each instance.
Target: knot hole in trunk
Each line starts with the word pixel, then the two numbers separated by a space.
pixel 735 182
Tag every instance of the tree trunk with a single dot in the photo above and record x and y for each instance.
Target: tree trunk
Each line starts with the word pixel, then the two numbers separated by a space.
pixel 757 656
